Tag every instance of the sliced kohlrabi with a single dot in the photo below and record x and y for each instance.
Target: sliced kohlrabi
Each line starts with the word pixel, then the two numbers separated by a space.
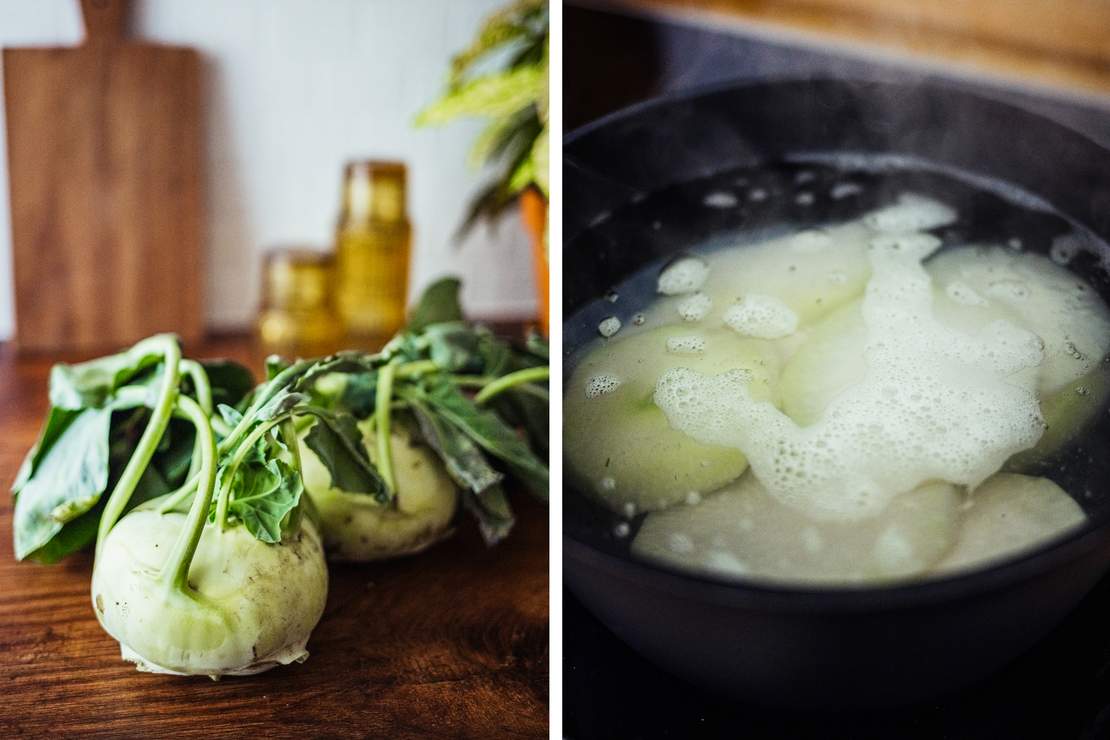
pixel 978 285
pixel 618 443
pixel 1007 515
pixel 811 272
pixel 358 527
pixel 742 531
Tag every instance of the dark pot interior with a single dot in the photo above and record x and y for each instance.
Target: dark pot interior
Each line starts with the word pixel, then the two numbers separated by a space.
pixel 634 185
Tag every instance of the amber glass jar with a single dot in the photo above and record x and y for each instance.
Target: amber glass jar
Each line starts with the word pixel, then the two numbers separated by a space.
pixel 373 242
pixel 298 317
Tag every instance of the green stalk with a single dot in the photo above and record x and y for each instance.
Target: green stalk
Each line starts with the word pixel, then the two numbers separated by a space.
pixel 175 573
pixel 196 372
pixel 289 436
pixel 505 382
pixel 414 369
pixel 382 419
pixel 148 442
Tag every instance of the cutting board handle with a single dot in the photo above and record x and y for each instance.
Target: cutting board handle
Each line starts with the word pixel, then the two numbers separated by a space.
pixel 105 20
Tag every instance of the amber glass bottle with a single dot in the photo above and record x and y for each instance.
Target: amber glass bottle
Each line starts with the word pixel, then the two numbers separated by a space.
pixel 298 317
pixel 373 242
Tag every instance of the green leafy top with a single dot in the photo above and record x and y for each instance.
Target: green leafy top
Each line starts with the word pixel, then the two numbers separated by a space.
pixel 513 95
pixel 109 428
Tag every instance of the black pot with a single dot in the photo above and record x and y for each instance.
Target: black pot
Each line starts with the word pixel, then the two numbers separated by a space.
pixel 632 184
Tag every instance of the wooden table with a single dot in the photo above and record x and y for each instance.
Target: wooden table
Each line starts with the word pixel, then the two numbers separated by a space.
pixel 449 643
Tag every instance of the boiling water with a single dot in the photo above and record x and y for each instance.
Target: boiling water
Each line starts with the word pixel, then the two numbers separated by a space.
pixel 880 396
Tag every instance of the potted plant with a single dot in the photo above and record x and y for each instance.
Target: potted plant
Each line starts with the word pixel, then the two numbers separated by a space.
pixel 502 76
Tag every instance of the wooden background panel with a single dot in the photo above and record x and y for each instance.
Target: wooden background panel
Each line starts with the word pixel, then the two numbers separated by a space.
pixel 104 157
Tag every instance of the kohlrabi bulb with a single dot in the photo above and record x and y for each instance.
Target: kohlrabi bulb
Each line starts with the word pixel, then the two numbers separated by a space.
pixel 357 527
pixel 250 605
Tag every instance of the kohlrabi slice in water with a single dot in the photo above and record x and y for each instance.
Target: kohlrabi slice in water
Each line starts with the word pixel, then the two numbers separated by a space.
pixel 1009 514
pixel 743 531
pixel 976 286
pixel 619 445
pixel 829 360
pixel 359 527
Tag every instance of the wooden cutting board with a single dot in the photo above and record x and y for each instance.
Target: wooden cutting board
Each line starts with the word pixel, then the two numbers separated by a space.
pixel 104 160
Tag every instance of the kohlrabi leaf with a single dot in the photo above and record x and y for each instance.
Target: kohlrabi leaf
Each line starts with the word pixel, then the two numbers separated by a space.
pixel 464 460
pixel 230 381
pixel 491 509
pixel 262 495
pixel 490 432
pixel 438 304
pixel 281 402
pixel 68 481
pixel 337 441
pixel 453 347
pixel 91 384
pixel 57 421
pixel 481 484
pixel 231 416
pixel 360 394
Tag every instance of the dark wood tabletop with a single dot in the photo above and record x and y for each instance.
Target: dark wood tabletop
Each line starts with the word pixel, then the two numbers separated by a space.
pixel 449 643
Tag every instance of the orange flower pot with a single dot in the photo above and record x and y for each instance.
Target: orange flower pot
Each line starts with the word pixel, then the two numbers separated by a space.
pixel 533 210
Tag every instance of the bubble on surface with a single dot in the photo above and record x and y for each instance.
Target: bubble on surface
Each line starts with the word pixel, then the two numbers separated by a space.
pixel 695 307
pixel 720 199
pixel 843 190
pixel 684 275
pixel 761 316
pixel 609 326
pixel 758 195
pixel 690 344
pixel 805 198
pixel 599 385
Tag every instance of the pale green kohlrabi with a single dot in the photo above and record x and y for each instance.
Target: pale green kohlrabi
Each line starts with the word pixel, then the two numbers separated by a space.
pixel 360 527
pixel 196 587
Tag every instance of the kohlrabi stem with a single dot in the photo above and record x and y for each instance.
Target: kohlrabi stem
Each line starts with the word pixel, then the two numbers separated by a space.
pixel 196 372
pixel 382 419
pixel 233 466
pixel 414 369
pixel 173 500
pixel 148 442
pixel 505 382
pixel 275 384
pixel 289 436
pixel 175 572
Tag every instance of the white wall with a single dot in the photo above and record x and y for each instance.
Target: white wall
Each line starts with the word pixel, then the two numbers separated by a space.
pixel 294 88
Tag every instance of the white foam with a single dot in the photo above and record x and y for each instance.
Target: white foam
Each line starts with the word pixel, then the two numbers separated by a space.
pixel 609 326
pixel 964 294
pixel 599 385
pixel 684 275
pixel 695 307
pixel 935 403
pixel 761 316
pixel 690 344
pixel 911 213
